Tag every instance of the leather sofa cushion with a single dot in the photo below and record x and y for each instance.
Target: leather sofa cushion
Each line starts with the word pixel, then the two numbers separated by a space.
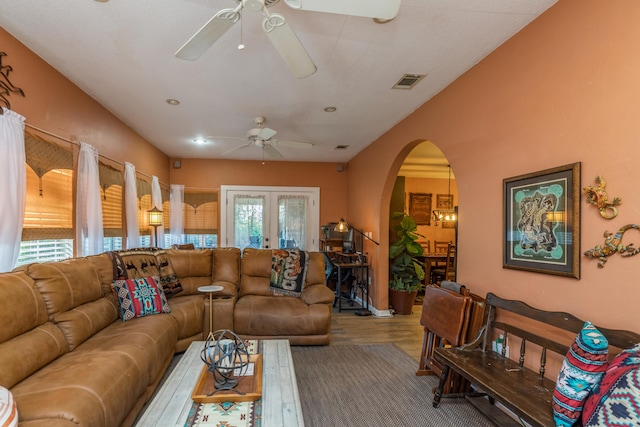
pixel 28 341
pixel 188 310
pixel 147 340
pixel 66 284
pixel 280 316
pixel 21 305
pixel 256 272
pixel 24 354
pixel 226 266
pixel 192 263
pixel 73 294
pixel 96 388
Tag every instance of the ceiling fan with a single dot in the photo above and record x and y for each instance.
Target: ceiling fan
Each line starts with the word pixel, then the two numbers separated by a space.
pixel 263 137
pixel 278 30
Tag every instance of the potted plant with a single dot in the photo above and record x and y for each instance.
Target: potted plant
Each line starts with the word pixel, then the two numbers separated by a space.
pixel 407 270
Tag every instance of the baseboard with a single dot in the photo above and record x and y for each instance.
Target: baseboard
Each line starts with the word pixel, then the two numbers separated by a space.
pixel 375 311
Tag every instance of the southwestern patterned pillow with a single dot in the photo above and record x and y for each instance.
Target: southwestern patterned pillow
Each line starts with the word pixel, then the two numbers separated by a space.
pixel 615 401
pixel 581 370
pixel 140 297
pixel 143 262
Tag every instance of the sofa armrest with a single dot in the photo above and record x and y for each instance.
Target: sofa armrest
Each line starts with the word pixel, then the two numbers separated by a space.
pixel 317 294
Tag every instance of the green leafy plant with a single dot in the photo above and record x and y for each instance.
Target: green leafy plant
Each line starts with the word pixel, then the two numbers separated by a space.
pixel 406 268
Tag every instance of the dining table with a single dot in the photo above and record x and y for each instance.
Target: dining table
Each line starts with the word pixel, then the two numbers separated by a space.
pixel 431 260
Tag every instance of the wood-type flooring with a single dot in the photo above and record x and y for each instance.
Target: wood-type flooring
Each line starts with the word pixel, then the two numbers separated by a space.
pixel 403 330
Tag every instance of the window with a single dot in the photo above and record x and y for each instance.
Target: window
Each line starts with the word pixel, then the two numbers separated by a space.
pixel 47 233
pixel 201 218
pixel 111 183
pixel 144 204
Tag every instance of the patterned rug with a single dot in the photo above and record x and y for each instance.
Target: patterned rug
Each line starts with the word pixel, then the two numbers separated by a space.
pixel 372 385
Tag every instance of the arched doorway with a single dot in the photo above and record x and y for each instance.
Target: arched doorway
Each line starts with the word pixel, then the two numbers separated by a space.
pixel 426 183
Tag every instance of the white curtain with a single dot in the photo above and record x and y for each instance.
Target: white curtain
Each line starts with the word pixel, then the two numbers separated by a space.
pixel 156 202
pixel 177 213
pixel 89 229
pixel 131 206
pixel 13 187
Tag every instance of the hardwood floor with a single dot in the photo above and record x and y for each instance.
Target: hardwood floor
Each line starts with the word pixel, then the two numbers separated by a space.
pixel 403 330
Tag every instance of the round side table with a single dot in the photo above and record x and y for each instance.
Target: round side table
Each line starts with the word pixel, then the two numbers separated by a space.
pixel 210 289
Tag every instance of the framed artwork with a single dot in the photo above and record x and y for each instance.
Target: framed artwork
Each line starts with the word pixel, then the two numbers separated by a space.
pixel 542 221
pixel 444 201
pixel 420 208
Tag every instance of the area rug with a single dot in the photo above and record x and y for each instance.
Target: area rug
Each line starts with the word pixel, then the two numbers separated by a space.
pixel 372 385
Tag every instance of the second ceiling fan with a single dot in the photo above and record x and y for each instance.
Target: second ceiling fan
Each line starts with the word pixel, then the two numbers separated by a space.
pixel 278 30
pixel 263 137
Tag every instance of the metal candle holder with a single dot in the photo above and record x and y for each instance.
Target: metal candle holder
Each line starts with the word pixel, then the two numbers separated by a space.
pixel 223 353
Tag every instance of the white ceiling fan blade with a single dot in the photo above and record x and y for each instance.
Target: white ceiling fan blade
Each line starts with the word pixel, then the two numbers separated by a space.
pixel 266 134
pixel 237 148
pixel 271 152
pixel 287 44
pixel 208 34
pixel 295 144
pixel 383 9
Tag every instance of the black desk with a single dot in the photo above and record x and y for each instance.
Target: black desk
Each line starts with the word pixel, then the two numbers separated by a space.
pixel 360 271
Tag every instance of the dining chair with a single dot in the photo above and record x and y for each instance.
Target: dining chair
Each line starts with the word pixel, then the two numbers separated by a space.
pixel 448 270
pixel 440 247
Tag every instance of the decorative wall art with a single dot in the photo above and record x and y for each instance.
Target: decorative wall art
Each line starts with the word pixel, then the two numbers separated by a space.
pixel 420 208
pixel 6 87
pixel 613 244
pixel 599 198
pixel 542 221
pixel 444 201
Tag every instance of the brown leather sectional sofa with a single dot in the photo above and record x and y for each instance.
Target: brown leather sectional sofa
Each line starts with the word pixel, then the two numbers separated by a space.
pixel 69 359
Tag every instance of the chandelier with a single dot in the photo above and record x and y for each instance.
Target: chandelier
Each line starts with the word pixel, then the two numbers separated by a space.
pixel 448 214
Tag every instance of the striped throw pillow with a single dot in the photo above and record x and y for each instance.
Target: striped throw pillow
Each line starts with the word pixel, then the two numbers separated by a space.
pixel 8 409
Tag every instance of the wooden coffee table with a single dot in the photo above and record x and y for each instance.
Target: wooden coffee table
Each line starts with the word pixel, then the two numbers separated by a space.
pixel 280 400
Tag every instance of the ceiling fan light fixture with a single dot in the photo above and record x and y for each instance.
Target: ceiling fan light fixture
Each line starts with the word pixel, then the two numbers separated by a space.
pixel 254 5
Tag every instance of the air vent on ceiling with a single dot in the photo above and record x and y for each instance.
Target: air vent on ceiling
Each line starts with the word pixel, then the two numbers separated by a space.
pixel 341 147
pixel 408 81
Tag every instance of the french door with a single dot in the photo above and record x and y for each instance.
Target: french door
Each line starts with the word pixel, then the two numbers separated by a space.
pixel 270 217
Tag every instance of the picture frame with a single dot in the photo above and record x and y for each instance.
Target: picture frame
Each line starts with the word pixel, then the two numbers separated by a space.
pixel 420 208
pixel 444 201
pixel 541 226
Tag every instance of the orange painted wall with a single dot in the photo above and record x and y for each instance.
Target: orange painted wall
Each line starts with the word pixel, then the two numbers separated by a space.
pixel 564 89
pixel 58 106
pixel 202 173
pixel 434 231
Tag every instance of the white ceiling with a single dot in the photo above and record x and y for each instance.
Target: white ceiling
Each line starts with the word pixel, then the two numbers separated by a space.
pixel 121 52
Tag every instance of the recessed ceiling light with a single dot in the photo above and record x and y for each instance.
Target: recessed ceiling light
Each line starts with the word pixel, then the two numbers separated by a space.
pixel 381 21
pixel 341 147
pixel 102 1
pixel 330 109
pixel 200 141
pixel 172 101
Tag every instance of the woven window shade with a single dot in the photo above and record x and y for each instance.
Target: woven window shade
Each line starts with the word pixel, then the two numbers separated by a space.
pixel 143 188
pixel 144 204
pixel 49 216
pixel 111 183
pixel 166 214
pixel 43 156
pixel 49 202
pixel 200 212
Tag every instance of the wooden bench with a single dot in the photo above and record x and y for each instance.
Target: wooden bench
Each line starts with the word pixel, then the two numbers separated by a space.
pixel 525 392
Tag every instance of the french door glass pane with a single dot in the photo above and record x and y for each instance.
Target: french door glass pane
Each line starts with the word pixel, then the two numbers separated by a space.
pixel 292 221
pixel 248 221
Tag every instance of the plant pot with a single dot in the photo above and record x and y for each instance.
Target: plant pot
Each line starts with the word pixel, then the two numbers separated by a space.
pixel 402 301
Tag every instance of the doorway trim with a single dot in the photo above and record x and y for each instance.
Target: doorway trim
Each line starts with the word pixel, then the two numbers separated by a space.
pixel 314 208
